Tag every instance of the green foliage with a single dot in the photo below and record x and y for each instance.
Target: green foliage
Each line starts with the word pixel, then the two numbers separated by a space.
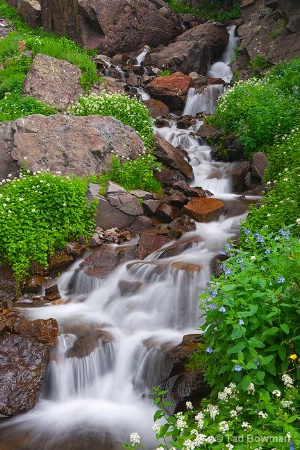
pixel 129 110
pixel 208 10
pixel 280 205
pixel 252 313
pixel 136 174
pixel 239 420
pixel 39 213
pixel 259 64
pixel 165 73
pixel 39 41
pixel 13 106
pixel 13 74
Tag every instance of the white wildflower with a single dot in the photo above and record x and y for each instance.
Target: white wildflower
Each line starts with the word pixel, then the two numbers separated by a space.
pixel 276 392
pixel 245 425
pixel 251 389
pixel 156 428
pixel 287 380
pixel 262 414
pixel 223 426
pixel 135 438
pixel 189 405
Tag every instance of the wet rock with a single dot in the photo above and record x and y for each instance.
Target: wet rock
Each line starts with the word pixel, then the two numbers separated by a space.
pixel 179 247
pixel 171 90
pixel 209 133
pixel 44 331
pixel 128 288
pixel 175 198
pixel 60 261
pixel 76 249
pixel 35 283
pixel 82 347
pixel 150 206
pixel 181 225
pixel 52 293
pixel 168 177
pixel 77 145
pixel 156 108
pixel 141 223
pixel 53 81
pixel 104 259
pixel 166 213
pixel 23 364
pixel 8 285
pixel 149 243
pixel 187 190
pixel 171 157
pixel 186 266
pixel 238 173
pixel 204 209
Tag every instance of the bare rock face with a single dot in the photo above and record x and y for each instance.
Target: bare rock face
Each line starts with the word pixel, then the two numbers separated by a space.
pixel 156 108
pixel 30 12
pixel 112 27
pixel 53 81
pixel 271 30
pixel 77 145
pixel 192 51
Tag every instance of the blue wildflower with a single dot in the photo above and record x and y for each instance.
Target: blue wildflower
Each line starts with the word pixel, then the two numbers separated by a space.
pixel 228 272
pixel 227 245
pixel 292 446
pixel 262 268
pixel 209 350
pixel 267 251
pixel 213 306
pixel 280 280
pixel 246 231
pixel 256 361
pixel 222 252
pixel 241 322
pixel 214 293
pixel 222 309
pixel 237 368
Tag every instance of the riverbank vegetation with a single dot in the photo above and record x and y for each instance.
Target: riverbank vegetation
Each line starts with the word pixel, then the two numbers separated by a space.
pixel 207 10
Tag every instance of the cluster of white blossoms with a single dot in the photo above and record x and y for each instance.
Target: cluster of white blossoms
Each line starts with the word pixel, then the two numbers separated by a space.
pixel 287 380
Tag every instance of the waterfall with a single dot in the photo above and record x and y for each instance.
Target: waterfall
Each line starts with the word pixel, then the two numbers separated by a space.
pixel 92 401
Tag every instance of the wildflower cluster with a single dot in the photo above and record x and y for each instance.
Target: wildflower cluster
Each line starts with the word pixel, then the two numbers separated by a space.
pixel 39 213
pixel 251 313
pixel 241 420
pixel 130 111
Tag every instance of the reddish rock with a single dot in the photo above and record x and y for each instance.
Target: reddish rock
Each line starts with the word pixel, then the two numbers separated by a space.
pixel 149 243
pixel 40 330
pixel 179 247
pixel 60 261
pixel 204 209
pixel 172 89
pixel 168 177
pixel 35 283
pixel 181 225
pixel 156 108
pixel 8 286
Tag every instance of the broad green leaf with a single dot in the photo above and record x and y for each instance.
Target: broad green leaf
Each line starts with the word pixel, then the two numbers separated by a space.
pixel 245 382
pixel 282 352
pixel 236 348
pixel 260 375
pixel 237 331
pixel 269 331
pixel 254 342
pixel 285 328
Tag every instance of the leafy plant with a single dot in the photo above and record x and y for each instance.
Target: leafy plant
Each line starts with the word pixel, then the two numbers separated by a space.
pixel 251 313
pixel 165 73
pixel 130 111
pixel 208 10
pixel 136 174
pixel 39 213
pixel 233 420
pixel 13 106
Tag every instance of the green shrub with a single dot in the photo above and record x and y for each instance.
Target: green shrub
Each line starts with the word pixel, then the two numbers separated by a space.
pixel 13 106
pixel 280 206
pixel 129 110
pixel 136 174
pixel 13 74
pixel 235 420
pixel 252 313
pixel 208 10
pixel 40 213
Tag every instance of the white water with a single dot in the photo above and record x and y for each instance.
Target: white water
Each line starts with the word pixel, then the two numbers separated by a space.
pixel 221 68
pixel 106 393
pixel 140 58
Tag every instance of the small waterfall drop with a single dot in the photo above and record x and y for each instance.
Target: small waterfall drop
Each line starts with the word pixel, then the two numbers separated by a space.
pixel 221 68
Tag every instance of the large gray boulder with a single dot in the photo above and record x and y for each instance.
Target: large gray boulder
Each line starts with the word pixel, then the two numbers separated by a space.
pixel 53 81
pixel 114 26
pixel 72 145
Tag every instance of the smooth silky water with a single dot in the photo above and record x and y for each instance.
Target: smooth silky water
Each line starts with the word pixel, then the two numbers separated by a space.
pixel 97 401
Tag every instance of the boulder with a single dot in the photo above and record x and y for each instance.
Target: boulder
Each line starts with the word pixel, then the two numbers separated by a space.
pixel 106 258
pixel 112 27
pixel 166 213
pixel 8 287
pixel 171 89
pixel 204 209
pixel 156 108
pixel 149 243
pixel 23 364
pixel 53 81
pixel 192 51
pixel 30 11
pixel 72 145
pixel 171 157
pixel 238 172
pixel 258 165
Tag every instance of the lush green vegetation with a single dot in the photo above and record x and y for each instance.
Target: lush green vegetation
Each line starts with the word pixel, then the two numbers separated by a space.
pixel 207 10
pixel 129 110
pixel 136 174
pixel 17 51
pixel 39 213
pixel 259 110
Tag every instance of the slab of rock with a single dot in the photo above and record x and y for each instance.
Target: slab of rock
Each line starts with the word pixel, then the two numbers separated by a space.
pixel 149 243
pixel 156 108
pixel 238 174
pixel 22 368
pixel 171 157
pixel 30 11
pixel 259 164
pixel 8 287
pixel 72 145
pixel 112 27
pixel 192 51
pixel 204 209
pixel 171 90
pixel 53 81
pixel 166 213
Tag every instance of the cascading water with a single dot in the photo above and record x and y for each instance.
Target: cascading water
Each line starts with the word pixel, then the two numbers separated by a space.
pixel 206 100
pixel 96 401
